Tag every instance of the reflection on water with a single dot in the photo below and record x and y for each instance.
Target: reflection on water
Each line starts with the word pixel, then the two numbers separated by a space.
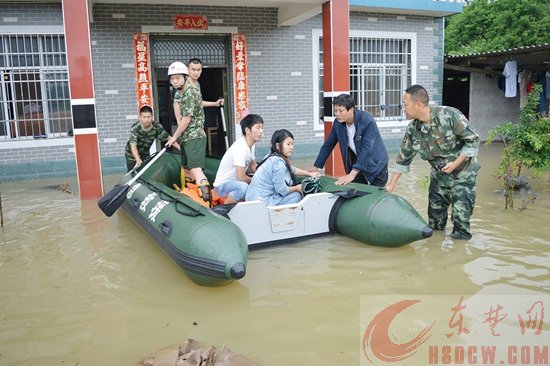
pixel 80 288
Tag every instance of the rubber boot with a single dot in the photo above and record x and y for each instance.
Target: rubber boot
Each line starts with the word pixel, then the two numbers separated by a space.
pixel 206 193
pixel 461 235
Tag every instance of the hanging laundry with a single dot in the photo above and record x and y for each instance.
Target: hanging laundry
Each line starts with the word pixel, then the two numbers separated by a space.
pixel 543 106
pixel 511 73
pixel 523 79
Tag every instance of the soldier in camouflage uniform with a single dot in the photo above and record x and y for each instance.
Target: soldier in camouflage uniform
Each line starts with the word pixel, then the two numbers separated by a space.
pixel 142 135
pixel 443 137
pixel 189 112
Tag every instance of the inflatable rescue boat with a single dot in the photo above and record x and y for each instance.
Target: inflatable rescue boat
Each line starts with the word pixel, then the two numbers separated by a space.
pixel 212 244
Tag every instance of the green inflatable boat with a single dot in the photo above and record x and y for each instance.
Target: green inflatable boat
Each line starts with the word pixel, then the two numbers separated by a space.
pixel 212 244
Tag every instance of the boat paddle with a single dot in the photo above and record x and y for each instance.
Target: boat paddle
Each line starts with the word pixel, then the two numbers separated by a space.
pixel 111 201
pixel 224 126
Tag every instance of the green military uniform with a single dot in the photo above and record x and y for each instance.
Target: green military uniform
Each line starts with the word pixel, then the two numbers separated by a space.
pixel 143 139
pixel 446 137
pixel 193 138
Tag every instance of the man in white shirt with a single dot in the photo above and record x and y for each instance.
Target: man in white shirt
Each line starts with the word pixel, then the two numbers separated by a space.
pixel 231 179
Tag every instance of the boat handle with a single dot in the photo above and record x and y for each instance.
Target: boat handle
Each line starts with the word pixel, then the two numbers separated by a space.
pixel 187 213
pixel 166 227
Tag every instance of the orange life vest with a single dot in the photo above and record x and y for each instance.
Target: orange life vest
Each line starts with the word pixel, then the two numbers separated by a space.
pixel 192 191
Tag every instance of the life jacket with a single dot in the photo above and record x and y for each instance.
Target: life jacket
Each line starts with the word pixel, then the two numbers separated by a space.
pixel 192 191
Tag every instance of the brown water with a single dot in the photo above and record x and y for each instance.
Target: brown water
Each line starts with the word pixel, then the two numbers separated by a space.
pixel 82 289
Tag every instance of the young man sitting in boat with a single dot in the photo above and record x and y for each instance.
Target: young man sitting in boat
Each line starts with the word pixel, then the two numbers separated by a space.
pixel 232 181
pixel 273 182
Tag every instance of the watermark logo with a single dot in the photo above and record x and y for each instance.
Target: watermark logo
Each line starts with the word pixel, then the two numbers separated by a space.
pixel 377 339
pixel 454 330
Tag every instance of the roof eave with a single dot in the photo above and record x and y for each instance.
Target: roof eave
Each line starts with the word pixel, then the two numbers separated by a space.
pixel 433 8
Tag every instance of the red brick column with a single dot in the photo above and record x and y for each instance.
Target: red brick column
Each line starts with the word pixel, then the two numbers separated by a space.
pixel 81 86
pixel 336 69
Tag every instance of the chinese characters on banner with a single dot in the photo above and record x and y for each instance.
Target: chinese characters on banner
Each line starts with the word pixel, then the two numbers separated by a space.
pixel 240 77
pixel 143 73
pixel 183 22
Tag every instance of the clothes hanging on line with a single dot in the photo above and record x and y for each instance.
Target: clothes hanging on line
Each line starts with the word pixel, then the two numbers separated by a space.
pixel 543 106
pixel 524 79
pixel 511 73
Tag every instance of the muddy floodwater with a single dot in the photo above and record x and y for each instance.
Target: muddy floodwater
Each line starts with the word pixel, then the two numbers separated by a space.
pixel 78 288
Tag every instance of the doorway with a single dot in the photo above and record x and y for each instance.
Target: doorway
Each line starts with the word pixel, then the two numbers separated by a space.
pixel 214 54
pixel 456 90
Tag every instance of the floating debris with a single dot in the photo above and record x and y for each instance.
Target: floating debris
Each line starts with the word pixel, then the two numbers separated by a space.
pixel 65 188
pixel 191 353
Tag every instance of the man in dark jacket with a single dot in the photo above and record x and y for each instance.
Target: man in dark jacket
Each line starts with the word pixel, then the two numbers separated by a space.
pixel 363 151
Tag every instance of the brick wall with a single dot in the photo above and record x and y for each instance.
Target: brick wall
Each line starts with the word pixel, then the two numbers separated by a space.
pixel 279 69
pixel 30 14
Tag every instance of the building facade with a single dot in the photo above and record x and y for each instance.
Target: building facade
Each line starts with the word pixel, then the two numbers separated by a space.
pixel 390 49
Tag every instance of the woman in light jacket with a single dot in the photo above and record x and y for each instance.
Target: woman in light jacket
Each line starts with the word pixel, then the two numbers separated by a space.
pixel 273 182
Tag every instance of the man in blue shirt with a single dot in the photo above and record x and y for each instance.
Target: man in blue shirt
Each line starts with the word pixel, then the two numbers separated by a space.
pixel 363 151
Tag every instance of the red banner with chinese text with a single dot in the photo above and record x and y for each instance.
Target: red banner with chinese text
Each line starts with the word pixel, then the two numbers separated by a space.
pixel 143 72
pixel 240 77
pixel 183 22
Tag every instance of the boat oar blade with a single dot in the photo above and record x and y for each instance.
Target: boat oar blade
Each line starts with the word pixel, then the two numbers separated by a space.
pixel 113 199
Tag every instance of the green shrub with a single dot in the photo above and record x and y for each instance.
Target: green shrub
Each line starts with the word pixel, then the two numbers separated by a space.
pixel 526 143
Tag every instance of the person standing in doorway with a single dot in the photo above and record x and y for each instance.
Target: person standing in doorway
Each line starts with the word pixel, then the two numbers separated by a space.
pixel 189 112
pixel 142 136
pixel 443 137
pixel 363 151
pixel 232 180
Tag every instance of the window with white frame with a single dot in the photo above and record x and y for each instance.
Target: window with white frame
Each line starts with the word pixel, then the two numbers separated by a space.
pixel 381 68
pixel 34 87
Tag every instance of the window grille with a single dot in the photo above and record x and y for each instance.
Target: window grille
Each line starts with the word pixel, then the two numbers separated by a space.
pixel 380 71
pixel 34 87
pixel 210 51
